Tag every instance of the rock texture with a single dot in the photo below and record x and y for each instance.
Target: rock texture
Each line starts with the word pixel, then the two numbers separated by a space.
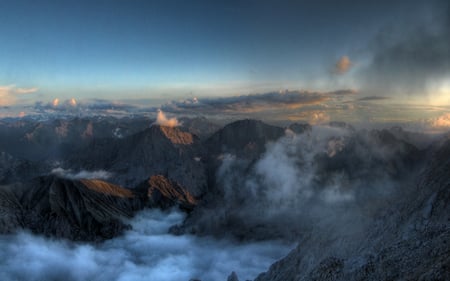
pixel 408 240
pixel 73 209
pixel 163 193
pixel 157 150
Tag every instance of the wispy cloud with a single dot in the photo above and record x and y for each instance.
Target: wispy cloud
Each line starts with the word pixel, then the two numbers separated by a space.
pixel 20 91
pixel 10 94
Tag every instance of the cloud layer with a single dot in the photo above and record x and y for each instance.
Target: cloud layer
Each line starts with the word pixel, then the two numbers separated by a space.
pixel 255 103
pixel 145 253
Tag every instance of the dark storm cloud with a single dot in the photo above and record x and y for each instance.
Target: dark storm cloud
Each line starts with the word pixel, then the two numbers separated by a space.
pixel 406 61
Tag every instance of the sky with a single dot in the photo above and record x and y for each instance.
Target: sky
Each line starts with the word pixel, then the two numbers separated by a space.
pixel 174 50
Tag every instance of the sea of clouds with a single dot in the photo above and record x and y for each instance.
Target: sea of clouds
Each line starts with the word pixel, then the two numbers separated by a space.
pixel 146 252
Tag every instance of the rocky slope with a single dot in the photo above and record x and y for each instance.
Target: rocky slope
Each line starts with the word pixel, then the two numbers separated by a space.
pixel 157 150
pixel 88 210
pixel 407 239
pixel 74 209
pixel 163 193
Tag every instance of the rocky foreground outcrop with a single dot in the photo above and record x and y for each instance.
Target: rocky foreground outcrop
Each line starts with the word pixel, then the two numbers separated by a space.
pixel 409 240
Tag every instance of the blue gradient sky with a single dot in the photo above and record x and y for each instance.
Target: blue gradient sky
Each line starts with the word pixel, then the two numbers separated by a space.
pixel 152 49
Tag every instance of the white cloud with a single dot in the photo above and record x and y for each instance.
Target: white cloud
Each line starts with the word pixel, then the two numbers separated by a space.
pixel 9 94
pixel 162 120
pixel 147 252
pixel 100 174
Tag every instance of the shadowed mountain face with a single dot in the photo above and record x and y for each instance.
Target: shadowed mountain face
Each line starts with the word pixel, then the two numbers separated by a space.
pixel 54 139
pixel 157 150
pixel 74 209
pixel 83 209
pixel 246 138
pixel 29 148
pixel 163 193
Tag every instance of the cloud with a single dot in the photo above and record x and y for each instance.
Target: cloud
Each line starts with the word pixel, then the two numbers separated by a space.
pixel 147 252
pixel 9 94
pixel 326 177
pixel 103 105
pixel 411 60
pixel 21 91
pixel 373 98
pixel 69 174
pixel 441 122
pixel 162 120
pixel 343 65
pixel 318 117
pixel 344 92
pixel 255 103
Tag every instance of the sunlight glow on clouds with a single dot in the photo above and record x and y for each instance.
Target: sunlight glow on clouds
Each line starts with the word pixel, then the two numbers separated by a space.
pixel 343 65
pixel 442 122
pixel 10 94
pixel 162 120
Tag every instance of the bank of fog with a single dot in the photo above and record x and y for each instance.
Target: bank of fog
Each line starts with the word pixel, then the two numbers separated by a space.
pixel 146 252
pixel 330 178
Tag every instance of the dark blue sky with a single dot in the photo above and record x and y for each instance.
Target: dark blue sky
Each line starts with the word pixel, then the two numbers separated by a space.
pixel 125 49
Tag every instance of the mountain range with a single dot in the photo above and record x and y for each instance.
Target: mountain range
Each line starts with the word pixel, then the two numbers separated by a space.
pixel 361 204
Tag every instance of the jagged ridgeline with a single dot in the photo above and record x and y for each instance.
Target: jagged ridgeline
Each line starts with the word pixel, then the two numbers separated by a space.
pixel 361 204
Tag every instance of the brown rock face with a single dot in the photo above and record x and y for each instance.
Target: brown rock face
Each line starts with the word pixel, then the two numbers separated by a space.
pixel 163 193
pixel 176 136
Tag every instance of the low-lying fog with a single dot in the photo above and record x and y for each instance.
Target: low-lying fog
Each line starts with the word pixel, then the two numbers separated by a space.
pixel 147 252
